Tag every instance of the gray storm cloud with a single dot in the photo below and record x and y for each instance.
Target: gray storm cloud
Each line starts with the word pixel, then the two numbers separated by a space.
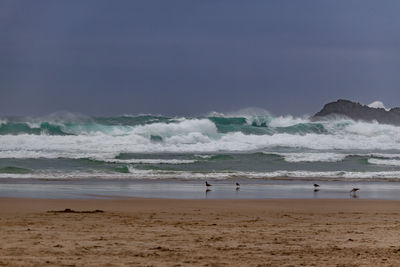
pixel 189 58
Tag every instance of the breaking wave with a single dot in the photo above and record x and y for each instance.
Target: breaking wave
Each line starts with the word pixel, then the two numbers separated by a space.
pixel 107 137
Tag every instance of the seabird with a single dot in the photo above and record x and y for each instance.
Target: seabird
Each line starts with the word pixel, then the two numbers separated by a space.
pixel 237 186
pixel 316 189
pixel 354 190
pixel 207 184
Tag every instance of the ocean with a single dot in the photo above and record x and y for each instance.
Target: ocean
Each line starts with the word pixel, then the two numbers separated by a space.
pixel 248 145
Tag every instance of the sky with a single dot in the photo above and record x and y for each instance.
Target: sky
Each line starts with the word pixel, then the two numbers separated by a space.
pixel 192 57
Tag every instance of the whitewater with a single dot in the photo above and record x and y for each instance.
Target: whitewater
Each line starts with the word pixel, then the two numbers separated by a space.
pixel 250 143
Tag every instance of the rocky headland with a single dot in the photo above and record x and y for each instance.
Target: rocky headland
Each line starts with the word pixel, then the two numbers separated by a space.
pixel 359 112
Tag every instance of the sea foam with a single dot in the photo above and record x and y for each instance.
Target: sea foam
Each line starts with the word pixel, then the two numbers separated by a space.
pixel 190 175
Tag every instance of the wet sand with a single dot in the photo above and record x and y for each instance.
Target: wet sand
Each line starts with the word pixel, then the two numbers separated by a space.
pixel 167 232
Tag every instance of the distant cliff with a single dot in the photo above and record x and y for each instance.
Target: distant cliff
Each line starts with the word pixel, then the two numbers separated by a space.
pixel 356 111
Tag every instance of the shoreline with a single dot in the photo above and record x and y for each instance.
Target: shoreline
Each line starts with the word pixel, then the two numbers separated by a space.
pixel 207 232
pixel 195 189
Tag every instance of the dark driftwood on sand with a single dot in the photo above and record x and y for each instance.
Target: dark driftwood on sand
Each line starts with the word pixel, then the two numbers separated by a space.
pixel 74 211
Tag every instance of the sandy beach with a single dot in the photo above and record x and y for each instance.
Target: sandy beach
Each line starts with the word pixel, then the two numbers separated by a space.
pixel 160 232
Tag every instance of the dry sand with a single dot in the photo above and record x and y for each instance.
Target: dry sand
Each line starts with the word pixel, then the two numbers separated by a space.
pixel 154 232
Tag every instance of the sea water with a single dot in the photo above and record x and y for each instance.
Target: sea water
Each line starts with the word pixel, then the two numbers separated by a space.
pixel 250 145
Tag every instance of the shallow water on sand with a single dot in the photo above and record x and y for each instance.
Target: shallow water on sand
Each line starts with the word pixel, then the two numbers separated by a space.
pixel 249 189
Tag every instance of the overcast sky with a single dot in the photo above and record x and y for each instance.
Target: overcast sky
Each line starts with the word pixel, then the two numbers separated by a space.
pixel 192 57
